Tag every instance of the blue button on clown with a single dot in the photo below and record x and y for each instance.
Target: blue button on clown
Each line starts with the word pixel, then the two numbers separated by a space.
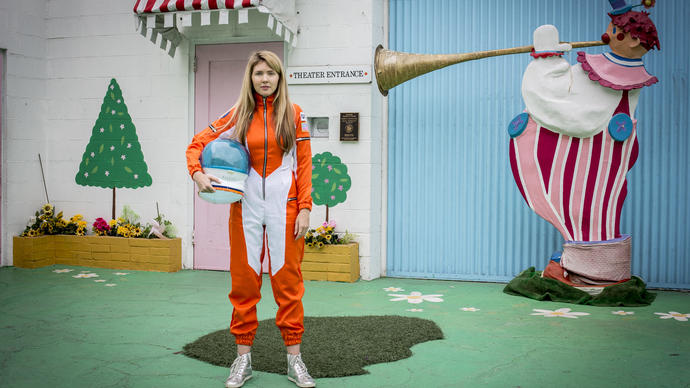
pixel 571 150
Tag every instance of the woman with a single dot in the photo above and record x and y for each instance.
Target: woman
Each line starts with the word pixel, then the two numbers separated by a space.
pixel 274 213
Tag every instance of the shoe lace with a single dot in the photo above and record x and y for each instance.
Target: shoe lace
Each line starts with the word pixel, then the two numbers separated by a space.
pixel 300 368
pixel 238 365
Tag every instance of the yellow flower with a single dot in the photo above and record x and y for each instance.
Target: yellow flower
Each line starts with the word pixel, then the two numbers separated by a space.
pixel 81 224
pixel 76 217
pixel 61 223
pixel 33 233
pixel 319 244
pixel 112 223
pixel 81 231
pixel 328 237
pixel 47 208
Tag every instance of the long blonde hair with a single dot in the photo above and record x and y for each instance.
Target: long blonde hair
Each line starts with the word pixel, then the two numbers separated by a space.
pixel 283 111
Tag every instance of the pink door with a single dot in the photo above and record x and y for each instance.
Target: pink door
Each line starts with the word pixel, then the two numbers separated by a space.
pixel 217 83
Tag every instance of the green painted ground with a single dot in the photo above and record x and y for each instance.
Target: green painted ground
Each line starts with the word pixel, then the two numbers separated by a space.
pixel 61 331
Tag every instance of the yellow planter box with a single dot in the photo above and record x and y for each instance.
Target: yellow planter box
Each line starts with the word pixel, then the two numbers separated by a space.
pixel 339 263
pixel 98 251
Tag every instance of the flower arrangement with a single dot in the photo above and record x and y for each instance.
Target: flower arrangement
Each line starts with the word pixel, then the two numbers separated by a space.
pixel 161 227
pixel 127 225
pixel 46 222
pixel 325 235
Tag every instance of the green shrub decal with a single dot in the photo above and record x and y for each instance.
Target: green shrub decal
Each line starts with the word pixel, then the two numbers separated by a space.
pixel 329 180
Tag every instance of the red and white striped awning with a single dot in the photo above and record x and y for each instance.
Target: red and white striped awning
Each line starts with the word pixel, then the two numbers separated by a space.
pixel 161 20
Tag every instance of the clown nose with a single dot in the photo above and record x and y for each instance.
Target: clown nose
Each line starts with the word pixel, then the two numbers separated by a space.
pixel 605 38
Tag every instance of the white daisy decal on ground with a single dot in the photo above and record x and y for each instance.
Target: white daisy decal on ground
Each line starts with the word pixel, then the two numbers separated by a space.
pixel 393 289
pixel 472 309
pixel 121 273
pixel 416 297
pixel 675 315
pixel 85 276
pixel 621 312
pixel 415 310
pixel 563 313
pixel 63 270
pixel 111 285
pixel 100 280
pixel 85 271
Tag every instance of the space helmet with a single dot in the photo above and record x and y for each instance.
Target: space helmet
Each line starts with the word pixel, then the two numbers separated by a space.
pixel 228 161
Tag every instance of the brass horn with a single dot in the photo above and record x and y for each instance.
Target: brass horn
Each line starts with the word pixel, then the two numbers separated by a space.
pixel 393 68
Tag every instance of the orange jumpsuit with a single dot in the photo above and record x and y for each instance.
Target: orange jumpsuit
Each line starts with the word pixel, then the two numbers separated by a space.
pixel 263 223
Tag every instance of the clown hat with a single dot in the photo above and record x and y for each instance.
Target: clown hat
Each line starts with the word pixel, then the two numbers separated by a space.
pixel 621 6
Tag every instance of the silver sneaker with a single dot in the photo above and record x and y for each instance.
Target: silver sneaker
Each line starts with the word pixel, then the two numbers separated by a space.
pixel 240 371
pixel 297 372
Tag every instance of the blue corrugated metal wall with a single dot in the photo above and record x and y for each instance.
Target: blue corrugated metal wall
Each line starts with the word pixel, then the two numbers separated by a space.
pixel 454 211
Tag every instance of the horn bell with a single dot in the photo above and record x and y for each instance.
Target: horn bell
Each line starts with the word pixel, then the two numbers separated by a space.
pixel 393 68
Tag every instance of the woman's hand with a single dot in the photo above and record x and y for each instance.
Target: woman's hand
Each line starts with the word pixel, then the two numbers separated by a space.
pixel 203 181
pixel 302 223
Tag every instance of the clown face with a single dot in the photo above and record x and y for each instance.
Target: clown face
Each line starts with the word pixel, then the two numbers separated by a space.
pixel 622 43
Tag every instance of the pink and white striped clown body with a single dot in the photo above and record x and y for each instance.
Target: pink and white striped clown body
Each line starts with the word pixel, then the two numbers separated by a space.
pixel 570 153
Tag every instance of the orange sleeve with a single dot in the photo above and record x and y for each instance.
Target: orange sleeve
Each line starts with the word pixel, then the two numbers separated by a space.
pixel 303 152
pixel 202 138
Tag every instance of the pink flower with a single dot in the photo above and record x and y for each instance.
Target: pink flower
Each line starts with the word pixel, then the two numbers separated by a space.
pixel 340 187
pixel 101 224
pixel 330 168
pixel 331 223
pixel 325 180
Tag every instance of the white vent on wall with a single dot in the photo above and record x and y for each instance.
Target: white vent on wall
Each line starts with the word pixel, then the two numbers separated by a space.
pixel 318 127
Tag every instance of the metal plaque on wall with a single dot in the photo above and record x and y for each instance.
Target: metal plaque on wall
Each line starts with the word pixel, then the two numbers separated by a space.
pixel 349 126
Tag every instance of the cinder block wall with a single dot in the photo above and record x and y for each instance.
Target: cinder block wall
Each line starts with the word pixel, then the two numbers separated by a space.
pixel 337 33
pixel 23 40
pixel 89 42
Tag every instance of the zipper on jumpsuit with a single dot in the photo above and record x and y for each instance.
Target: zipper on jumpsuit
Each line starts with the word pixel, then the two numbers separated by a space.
pixel 263 175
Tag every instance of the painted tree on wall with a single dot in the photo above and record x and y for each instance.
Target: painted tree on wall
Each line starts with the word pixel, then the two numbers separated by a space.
pixel 329 180
pixel 113 157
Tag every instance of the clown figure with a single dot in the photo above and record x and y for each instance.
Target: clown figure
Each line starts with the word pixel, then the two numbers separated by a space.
pixel 571 150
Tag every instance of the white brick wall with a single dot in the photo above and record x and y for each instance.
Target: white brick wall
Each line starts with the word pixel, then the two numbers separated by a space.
pixel 62 57
pixel 22 36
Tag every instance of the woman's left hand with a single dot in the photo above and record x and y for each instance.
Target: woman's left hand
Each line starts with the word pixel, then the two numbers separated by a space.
pixel 301 223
